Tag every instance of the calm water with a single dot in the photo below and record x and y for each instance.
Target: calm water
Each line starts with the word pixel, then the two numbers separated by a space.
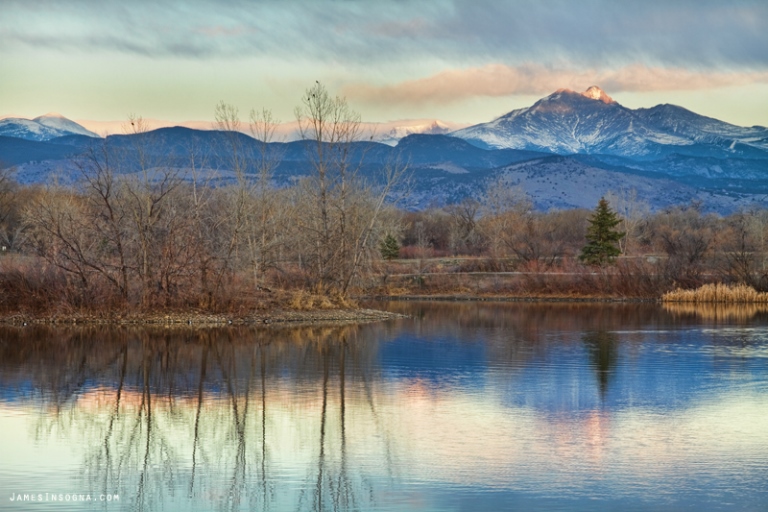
pixel 463 407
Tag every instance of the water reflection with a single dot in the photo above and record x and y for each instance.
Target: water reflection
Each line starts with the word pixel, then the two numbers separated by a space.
pixel 603 351
pixel 501 404
pixel 152 409
pixel 718 312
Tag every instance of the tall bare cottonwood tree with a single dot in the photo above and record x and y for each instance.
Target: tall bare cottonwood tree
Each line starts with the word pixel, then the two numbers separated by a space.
pixel 339 212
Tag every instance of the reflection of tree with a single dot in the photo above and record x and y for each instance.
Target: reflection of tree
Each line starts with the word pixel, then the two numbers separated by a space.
pixel 318 501
pixel 198 410
pixel 158 410
pixel 334 487
pixel 603 351
pixel 263 373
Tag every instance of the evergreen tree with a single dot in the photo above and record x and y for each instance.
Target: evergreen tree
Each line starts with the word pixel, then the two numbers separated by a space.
pixel 602 236
pixel 389 248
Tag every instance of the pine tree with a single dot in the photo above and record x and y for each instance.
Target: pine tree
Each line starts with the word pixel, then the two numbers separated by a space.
pixel 602 237
pixel 389 248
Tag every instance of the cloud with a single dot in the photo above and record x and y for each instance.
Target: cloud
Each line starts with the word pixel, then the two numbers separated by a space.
pixel 586 33
pixel 496 80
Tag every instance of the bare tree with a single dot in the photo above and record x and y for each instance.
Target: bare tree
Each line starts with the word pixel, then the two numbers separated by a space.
pixel 60 234
pixel 329 126
pixel 686 237
pixel 740 252
pixel 102 193
pixel 146 192
pixel 339 212
pixel 503 209
pixel 464 215
pixel 632 211
pixel 238 199
pixel 11 226
pixel 265 232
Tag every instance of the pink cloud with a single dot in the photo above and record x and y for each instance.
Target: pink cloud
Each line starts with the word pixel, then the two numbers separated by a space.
pixel 496 80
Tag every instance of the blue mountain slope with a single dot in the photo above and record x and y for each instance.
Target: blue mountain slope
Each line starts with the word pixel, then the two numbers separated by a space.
pixel 434 149
pixel 15 151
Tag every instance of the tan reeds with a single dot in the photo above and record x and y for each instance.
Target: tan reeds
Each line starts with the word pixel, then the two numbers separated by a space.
pixel 718 293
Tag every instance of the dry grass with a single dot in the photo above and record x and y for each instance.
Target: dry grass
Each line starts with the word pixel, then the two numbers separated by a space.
pixel 718 293
pixel 303 300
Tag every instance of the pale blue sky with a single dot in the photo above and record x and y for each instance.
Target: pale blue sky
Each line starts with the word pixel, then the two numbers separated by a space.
pixel 461 61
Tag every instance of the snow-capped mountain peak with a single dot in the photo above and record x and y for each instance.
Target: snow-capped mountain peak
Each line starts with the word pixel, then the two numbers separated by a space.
pixel 45 127
pixel 596 93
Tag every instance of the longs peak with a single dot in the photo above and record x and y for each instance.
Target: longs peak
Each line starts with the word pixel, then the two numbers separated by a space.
pixel 596 93
pixel 593 93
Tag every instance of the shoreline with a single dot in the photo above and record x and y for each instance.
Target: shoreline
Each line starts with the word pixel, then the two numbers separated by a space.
pixel 200 319
pixel 281 317
pixel 508 298
pixel 297 317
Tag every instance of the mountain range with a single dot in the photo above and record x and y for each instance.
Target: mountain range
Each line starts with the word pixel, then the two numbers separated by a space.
pixel 591 122
pixel 42 128
pixel 566 150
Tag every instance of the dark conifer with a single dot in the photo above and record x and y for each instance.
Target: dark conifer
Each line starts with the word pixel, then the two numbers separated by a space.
pixel 602 237
pixel 389 248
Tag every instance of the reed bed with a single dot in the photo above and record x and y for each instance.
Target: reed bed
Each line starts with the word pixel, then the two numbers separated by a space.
pixel 718 293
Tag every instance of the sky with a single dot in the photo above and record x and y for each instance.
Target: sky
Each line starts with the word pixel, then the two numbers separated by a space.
pixel 462 62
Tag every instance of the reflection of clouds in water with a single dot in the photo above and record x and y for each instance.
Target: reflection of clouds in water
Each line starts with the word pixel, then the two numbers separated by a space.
pixel 447 436
pixel 469 441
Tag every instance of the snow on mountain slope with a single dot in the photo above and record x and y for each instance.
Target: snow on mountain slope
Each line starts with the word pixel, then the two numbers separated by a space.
pixel 698 128
pixel 42 128
pixel 24 129
pixel 568 122
pixel 58 122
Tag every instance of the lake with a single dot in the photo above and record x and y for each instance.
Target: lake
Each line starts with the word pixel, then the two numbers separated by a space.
pixel 464 406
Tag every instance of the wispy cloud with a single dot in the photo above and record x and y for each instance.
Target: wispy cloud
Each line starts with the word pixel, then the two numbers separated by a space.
pixel 496 80
pixel 705 33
